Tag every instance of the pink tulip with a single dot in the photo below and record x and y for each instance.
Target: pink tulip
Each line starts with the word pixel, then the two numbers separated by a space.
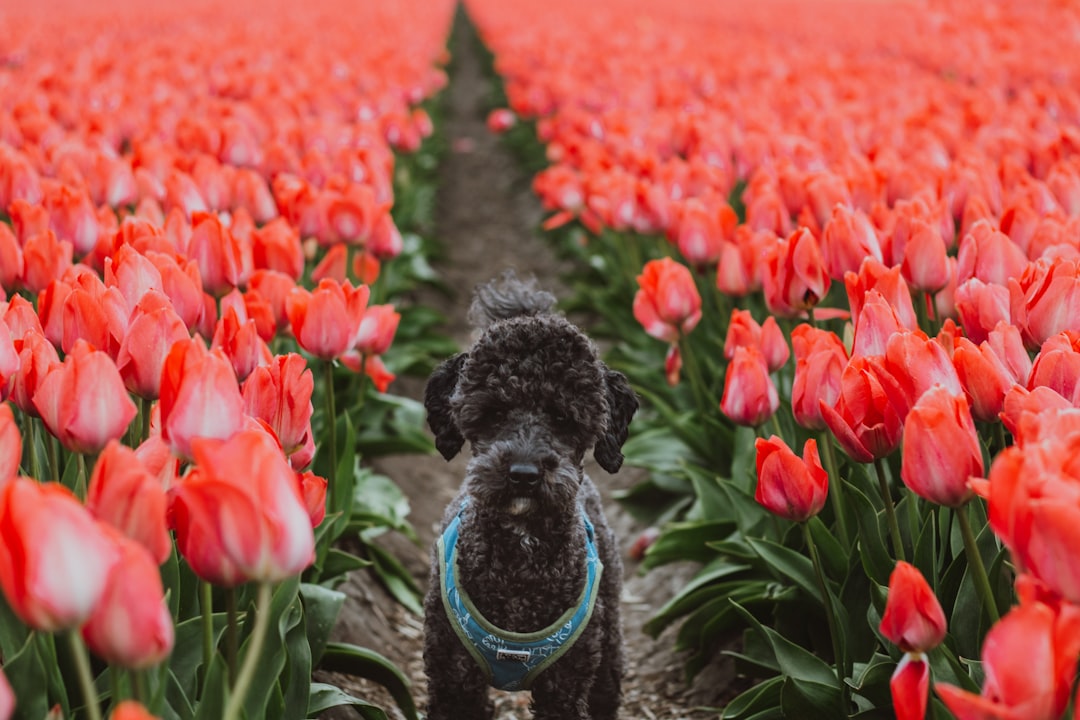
pixel 326 320
pixel 667 303
pixel 200 397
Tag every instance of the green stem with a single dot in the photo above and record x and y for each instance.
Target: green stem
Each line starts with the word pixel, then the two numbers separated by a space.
pixel 232 633
pixel 776 426
pixel 146 410
pixel 206 601
pixel 836 488
pixel 830 614
pixel 54 458
pixel 361 385
pixel 999 433
pixel 982 581
pixel 331 436
pixel 693 373
pixel 254 652
pixel 31 438
pixel 919 301
pixel 114 684
pixel 890 511
pixel 86 679
pixel 138 683
pixel 810 316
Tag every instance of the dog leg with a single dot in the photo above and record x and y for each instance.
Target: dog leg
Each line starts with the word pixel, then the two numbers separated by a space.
pixel 457 689
pixel 561 693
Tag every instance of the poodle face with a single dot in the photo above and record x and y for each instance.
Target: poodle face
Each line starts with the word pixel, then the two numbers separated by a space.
pixel 532 398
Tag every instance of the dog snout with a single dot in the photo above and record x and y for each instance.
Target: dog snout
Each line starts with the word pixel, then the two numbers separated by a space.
pixel 525 475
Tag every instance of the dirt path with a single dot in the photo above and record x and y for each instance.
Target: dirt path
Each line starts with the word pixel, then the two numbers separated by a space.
pixel 486 216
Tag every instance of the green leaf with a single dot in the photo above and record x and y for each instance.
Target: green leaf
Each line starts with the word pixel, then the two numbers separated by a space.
pixel 833 555
pixel 365 663
pixel 295 680
pixel 762 698
pixel 322 697
pixel 794 661
pixel 212 701
pixel 686 541
pixel 285 614
pixel 787 564
pixel 379 501
pixel 187 651
pixel 693 594
pixel 395 576
pixel 876 560
pixel 321 608
pixel 811 701
pixel 28 673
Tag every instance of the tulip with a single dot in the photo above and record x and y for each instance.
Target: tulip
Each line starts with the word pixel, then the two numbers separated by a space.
pixel 325 321
pixel 376 331
pixel 313 490
pixel 820 359
pixel 794 277
pixel 667 303
pixel 750 397
pixel 925 265
pixel 131 626
pixel 867 421
pixel 351 216
pixel 10 445
pixel 941 448
pixel 984 377
pixel 1045 299
pixel 72 216
pixel 876 322
pixel 239 514
pixel 20 317
pixel 133 273
pixel 372 366
pixel 910 687
pixel 200 397
pixel 1057 366
pixel 240 342
pixel 280 394
pixel 913 364
pixel 11 259
pixel 96 314
pixel 154 329
pixel 500 120
pixel 386 241
pixel 334 265
pixel 889 283
pixel 981 307
pixel 791 487
pixel 131 710
pixel 990 256
pixel 45 258
pixel 182 283
pixel 219 254
pixel 52 580
pixel 913 619
pixel 36 356
pixel 698 233
pixel 122 493
pixel 83 401
pixel 743 330
pixel 847 239
pixel 1029 661
pixel 274 288
pixel 276 246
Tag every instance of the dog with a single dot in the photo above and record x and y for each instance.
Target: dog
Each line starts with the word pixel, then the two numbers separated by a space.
pixel 526 575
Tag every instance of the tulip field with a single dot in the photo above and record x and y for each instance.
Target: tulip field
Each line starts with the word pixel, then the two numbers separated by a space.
pixel 834 245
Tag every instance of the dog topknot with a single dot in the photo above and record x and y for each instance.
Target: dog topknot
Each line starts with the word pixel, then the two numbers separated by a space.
pixel 508 297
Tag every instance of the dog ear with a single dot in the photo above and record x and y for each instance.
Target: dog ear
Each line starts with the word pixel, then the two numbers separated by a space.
pixel 622 403
pixel 440 386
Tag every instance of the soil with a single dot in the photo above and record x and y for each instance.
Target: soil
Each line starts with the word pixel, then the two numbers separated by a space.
pixel 487 220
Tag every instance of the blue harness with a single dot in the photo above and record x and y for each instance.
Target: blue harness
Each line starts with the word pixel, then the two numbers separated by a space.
pixel 510 660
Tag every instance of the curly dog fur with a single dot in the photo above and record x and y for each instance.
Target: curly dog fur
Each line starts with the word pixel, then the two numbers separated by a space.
pixel 530 393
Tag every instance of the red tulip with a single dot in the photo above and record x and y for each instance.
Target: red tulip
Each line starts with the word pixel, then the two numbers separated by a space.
pixel 72 216
pixel 36 356
pixel 989 255
pixel 45 258
pixel 889 283
pixel 182 283
pixel 122 493
pixel 981 307
pixel 1045 299
pixel 274 288
pixel 820 359
pixel 370 365
pixel 386 241
pixel 1029 661
pixel 667 303
pixel 219 254
pixel 20 317
pixel 131 710
pixel 750 397
pixel 240 342
pixel 913 619
pixel 200 397
pixel 83 401
pixel 867 421
pixel 743 330
pixel 52 580
pixel 239 514
pixel 276 246
pixel 280 395
pixel 313 490
pixel 333 266
pixel 941 448
pixel 325 321
pixel 910 687
pixel 876 322
pixel 500 120
pixel 791 487
pixel 1057 366
pixel 131 626
pixel 10 445
pixel 984 377
pixel 794 277
pixel 96 314
pixel 11 260
pixel 9 359
pixel 698 233
pixel 925 265
pixel 155 328
pixel 847 239
pixel 913 364
pixel 376 331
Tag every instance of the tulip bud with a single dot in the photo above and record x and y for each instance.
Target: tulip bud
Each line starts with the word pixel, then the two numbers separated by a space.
pixel 913 619
pixel 791 487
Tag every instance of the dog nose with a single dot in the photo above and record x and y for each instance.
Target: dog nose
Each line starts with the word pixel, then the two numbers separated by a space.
pixel 525 474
